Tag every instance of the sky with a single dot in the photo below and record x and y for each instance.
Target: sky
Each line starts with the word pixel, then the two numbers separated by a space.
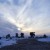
pixel 24 16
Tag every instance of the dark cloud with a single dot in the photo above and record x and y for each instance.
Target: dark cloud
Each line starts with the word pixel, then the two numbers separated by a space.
pixel 8 28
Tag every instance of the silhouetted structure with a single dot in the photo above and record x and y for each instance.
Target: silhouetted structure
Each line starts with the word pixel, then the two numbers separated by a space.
pixel 44 36
pixel 16 35
pixel 32 34
pixel 0 43
pixel 0 37
pixel 7 36
pixel 22 35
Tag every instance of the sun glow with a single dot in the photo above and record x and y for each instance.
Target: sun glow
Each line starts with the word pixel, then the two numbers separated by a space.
pixel 18 22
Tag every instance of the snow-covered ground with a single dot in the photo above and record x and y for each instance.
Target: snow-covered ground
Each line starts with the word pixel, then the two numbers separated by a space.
pixel 6 42
pixel 44 39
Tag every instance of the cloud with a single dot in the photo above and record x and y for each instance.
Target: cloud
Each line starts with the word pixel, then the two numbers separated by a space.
pixel 32 14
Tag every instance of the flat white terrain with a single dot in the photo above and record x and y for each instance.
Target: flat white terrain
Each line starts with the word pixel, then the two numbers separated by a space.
pixel 44 39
